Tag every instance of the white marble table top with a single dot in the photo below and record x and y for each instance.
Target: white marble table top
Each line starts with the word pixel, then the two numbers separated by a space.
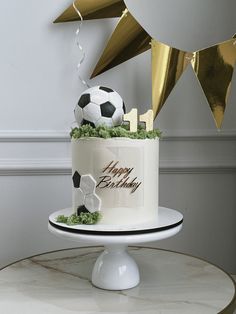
pixel 59 282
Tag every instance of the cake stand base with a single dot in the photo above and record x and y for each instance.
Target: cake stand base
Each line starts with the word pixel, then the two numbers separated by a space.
pixel 115 269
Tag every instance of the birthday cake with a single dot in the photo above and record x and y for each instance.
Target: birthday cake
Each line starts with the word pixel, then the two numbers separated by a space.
pixel 117 176
pixel 114 165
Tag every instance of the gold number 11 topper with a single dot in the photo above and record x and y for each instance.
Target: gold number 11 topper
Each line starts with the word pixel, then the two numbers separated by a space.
pixel 132 118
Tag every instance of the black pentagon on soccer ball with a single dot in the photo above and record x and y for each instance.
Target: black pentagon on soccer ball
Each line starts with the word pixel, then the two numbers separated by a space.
pixel 82 209
pixel 76 179
pixel 107 109
pixel 88 122
pixel 106 89
pixel 84 100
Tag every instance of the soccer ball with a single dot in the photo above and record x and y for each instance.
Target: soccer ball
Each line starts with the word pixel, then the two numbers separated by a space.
pixel 100 105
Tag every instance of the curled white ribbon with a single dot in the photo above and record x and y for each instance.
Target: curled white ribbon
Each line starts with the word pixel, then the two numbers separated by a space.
pixel 79 45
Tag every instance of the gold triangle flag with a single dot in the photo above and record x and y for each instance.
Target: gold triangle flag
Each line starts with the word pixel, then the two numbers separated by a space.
pixel 128 40
pixel 92 9
pixel 168 64
pixel 214 68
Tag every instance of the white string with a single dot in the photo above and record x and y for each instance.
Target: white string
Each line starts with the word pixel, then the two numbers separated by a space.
pixel 79 46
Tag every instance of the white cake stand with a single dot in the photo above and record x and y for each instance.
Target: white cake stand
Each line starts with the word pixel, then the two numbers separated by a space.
pixel 115 269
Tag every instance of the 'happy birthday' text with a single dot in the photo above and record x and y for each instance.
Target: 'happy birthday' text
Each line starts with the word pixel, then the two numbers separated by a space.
pixel 117 177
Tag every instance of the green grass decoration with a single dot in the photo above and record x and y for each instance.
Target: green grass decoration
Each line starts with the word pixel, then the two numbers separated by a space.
pixel 104 131
pixel 82 219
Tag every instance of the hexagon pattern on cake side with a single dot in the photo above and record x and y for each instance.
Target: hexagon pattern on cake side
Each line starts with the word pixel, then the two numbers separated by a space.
pixel 92 202
pixel 87 184
pixel 85 197
pixel 76 179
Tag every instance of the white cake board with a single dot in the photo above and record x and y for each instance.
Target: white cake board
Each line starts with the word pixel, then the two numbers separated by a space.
pixel 115 269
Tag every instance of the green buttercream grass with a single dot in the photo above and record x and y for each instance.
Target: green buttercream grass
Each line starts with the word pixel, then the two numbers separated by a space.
pixel 82 219
pixel 104 131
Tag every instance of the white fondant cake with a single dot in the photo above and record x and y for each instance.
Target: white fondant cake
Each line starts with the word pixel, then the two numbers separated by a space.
pixel 118 176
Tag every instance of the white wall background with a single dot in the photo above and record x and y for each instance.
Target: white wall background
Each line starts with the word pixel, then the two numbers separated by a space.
pixel 39 89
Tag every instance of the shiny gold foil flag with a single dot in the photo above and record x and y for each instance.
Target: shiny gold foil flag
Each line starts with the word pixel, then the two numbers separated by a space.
pixel 214 68
pixel 92 9
pixel 168 64
pixel 128 40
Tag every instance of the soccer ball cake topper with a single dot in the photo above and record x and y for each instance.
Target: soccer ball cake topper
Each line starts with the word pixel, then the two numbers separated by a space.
pixel 100 105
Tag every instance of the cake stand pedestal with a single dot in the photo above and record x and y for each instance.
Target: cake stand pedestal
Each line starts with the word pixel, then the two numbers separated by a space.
pixel 115 269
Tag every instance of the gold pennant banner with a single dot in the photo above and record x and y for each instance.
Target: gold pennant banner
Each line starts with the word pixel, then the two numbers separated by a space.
pixel 168 64
pixel 213 66
pixel 128 40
